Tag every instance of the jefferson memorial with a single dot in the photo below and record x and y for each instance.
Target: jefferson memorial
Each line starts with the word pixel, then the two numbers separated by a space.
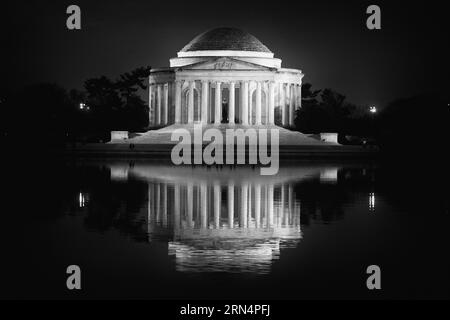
pixel 224 76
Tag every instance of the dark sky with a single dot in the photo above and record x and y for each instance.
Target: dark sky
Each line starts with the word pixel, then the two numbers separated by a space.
pixel 327 40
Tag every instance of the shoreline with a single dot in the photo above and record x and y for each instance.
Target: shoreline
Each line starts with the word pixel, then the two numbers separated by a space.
pixel 158 151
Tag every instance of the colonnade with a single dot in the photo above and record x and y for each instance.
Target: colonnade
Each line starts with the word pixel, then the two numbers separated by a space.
pixel 164 97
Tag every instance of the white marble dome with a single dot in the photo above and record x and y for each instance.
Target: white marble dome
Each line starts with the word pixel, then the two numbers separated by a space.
pixel 225 39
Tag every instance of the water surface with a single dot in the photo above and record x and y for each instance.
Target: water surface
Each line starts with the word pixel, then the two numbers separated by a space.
pixel 141 229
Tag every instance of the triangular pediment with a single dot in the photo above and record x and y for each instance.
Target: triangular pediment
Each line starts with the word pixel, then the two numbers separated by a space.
pixel 225 64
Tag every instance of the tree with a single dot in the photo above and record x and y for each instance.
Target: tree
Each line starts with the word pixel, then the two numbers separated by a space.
pixel 327 111
pixel 418 124
pixel 134 109
pixel 116 105
pixel 44 111
pixel 307 118
pixel 335 110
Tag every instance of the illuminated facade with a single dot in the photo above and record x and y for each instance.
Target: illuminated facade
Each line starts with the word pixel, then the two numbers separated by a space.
pixel 224 76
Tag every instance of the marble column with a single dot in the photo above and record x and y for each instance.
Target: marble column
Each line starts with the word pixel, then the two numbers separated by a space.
pixel 250 104
pixel 205 91
pixel 150 109
pixel 271 115
pixel 288 104
pixel 292 105
pixel 191 102
pixel 230 205
pixel 282 104
pixel 178 102
pixel 166 104
pixel 258 103
pixel 244 97
pixel 210 111
pixel 218 104
pixel 231 103
pixel 266 103
pixel 159 104
pixel 299 96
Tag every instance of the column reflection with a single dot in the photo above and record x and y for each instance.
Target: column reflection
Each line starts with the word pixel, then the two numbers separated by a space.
pixel 223 220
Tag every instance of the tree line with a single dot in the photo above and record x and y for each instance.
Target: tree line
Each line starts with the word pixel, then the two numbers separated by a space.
pixel 57 116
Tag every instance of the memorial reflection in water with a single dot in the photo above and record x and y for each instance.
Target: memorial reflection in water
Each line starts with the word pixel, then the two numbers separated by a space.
pixel 222 219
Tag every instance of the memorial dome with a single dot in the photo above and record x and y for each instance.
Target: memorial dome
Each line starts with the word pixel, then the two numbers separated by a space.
pixel 225 39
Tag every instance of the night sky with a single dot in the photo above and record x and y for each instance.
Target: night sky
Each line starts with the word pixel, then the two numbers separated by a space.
pixel 327 40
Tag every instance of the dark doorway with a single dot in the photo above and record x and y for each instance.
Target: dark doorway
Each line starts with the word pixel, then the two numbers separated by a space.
pixel 225 102
pixel 224 111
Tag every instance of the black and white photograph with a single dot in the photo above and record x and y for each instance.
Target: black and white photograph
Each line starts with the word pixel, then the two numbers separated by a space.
pixel 224 156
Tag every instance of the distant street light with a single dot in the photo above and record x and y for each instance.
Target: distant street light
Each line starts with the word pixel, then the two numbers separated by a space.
pixel 372 201
pixel 84 106
pixel 372 124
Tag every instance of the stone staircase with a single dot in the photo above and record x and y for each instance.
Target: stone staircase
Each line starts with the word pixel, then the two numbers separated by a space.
pixel 163 135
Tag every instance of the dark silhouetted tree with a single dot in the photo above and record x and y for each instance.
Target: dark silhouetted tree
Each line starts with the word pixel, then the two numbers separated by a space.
pixel 417 125
pixel 117 105
pixel 42 112
pixel 307 118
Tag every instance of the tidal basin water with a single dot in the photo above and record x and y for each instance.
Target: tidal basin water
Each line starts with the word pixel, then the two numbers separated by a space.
pixel 141 229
